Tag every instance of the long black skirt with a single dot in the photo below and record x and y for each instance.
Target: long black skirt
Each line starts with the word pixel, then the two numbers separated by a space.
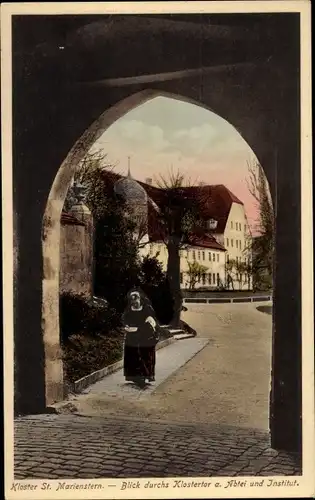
pixel 139 362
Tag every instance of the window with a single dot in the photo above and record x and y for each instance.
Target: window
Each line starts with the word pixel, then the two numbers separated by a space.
pixel 213 277
pixel 240 226
pixel 240 245
pixel 187 254
pixel 231 242
pixel 203 279
pixel 236 224
pixel 181 278
pixel 194 255
pixel 198 255
pixel 227 258
pixel 218 278
pixel 227 242
pixel 236 243
pixel 203 256
pixel 236 258
pixel 244 227
pixel 209 255
pixel 210 276
pixel 218 257
pixel 213 257
pixel 231 224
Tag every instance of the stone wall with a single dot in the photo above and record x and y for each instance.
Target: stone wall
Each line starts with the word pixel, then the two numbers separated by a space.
pixel 76 253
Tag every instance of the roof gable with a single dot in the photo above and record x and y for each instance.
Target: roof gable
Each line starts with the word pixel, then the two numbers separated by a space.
pixel 216 202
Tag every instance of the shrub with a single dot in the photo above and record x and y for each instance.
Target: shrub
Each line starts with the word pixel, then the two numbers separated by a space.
pixel 155 285
pixel 162 301
pixel 83 354
pixel 117 260
pixel 80 315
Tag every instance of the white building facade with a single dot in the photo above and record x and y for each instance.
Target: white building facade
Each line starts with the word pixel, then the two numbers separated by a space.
pixel 212 260
pixel 236 239
pixel 218 256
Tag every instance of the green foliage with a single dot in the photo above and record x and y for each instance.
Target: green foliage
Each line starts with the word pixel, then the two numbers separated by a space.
pixel 116 254
pixel 79 315
pixel 84 354
pixel 195 272
pixel 151 271
pixel 156 286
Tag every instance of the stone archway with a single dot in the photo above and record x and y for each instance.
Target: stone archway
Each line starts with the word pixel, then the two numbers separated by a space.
pixel 59 93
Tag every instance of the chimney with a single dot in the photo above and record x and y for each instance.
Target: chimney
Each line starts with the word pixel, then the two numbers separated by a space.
pixel 149 181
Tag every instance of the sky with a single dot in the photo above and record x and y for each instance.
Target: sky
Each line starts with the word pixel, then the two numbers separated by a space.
pixel 164 134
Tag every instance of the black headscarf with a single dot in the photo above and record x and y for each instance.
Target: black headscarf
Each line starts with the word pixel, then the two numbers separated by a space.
pixel 144 300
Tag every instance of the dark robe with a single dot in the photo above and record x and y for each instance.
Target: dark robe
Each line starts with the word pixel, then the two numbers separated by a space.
pixel 139 348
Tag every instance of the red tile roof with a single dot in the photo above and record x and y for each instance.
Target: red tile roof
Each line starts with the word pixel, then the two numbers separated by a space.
pixel 70 220
pixel 206 241
pixel 215 202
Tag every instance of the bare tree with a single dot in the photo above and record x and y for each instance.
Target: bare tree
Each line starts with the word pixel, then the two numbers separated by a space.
pixel 195 272
pixel 89 174
pixel 261 246
pixel 238 271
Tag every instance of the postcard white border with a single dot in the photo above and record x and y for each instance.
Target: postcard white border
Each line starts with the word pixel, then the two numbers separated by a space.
pixel 307 482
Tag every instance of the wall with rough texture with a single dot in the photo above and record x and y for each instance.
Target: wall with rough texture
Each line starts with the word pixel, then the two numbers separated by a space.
pixel 76 259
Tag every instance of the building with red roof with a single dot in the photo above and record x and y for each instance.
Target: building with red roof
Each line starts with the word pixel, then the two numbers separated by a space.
pixel 223 239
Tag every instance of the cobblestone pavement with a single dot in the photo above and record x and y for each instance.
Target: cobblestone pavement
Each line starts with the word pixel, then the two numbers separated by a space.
pixel 73 446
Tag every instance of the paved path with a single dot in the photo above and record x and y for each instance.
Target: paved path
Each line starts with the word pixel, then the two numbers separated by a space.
pixel 226 382
pixel 168 360
pixel 72 446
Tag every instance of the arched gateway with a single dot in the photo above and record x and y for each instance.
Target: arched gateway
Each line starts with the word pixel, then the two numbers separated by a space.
pixel 244 68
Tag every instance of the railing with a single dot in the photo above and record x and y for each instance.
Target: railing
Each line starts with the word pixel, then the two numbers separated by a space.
pixel 226 300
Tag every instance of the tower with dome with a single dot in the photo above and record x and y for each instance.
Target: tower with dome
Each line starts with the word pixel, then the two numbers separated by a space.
pixel 136 199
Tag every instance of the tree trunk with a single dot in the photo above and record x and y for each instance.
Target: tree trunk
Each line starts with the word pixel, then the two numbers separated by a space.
pixel 173 275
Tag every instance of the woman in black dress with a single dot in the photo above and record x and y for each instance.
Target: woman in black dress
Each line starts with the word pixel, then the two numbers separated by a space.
pixel 141 338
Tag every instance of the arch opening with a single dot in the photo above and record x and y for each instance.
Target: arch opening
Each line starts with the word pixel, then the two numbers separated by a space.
pixel 51 232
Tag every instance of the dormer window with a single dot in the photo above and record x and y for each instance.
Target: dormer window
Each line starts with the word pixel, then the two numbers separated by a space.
pixel 212 224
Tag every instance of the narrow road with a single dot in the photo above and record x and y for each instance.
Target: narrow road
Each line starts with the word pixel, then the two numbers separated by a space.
pixel 226 382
